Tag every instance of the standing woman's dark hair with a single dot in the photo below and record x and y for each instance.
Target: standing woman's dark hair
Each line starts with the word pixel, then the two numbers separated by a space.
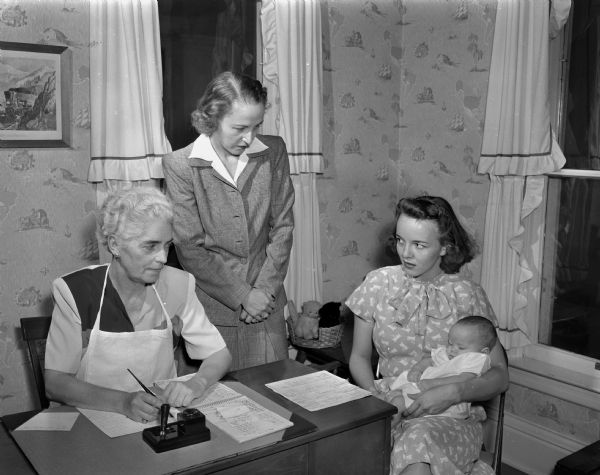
pixel 460 247
pixel 219 96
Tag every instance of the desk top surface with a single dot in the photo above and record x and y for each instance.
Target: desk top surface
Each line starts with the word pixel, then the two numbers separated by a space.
pixel 86 446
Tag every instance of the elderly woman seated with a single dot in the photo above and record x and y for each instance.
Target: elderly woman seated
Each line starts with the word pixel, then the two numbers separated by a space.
pixel 109 319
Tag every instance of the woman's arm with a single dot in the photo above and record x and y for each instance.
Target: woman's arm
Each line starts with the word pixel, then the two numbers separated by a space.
pixel 360 358
pixel 281 223
pixel 67 389
pixel 481 388
pixel 430 383
pixel 212 369
pixel 203 342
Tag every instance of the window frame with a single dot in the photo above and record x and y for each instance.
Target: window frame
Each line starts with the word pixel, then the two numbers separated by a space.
pixel 551 370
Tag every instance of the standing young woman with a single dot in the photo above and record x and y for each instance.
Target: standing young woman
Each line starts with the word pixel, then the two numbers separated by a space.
pixel 233 226
pixel 407 311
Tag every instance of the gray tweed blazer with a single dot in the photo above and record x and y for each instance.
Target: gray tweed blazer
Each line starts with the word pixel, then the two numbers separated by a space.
pixel 233 238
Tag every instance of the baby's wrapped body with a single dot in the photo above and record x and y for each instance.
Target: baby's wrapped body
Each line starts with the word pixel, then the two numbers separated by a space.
pixel 470 362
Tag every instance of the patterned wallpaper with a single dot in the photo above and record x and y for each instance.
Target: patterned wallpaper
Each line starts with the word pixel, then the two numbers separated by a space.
pixel 405 89
pixel 46 225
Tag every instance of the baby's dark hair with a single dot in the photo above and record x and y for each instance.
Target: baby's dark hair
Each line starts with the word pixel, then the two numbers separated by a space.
pixel 485 328
pixel 460 247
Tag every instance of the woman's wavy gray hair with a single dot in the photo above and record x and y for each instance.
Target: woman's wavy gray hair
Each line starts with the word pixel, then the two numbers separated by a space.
pixel 125 213
pixel 219 96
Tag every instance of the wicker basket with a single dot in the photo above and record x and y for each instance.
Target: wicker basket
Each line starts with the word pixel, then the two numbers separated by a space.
pixel 328 337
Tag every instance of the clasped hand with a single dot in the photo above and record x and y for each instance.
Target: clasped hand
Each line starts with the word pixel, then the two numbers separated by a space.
pixel 257 306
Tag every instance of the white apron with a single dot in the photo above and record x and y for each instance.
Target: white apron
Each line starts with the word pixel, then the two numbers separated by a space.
pixel 147 353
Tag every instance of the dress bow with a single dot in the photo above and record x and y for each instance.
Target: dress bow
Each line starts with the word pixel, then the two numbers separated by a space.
pixel 418 301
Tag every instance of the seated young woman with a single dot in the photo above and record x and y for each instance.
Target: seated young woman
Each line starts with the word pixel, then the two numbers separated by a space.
pixel 407 311
pixel 111 319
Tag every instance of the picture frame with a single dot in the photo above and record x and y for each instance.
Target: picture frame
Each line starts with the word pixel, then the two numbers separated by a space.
pixel 35 95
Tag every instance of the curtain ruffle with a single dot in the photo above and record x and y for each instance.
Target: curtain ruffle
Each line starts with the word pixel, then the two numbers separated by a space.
pixel 304 163
pixel 524 164
pixel 129 169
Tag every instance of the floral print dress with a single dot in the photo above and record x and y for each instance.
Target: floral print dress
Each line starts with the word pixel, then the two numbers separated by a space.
pixel 409 318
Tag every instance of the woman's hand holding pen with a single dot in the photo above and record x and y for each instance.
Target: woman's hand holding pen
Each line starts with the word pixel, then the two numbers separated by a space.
pixel 141 406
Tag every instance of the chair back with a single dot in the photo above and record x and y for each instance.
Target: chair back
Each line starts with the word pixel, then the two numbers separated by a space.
pixel 491 453
pixel 35 331
pixel 495 458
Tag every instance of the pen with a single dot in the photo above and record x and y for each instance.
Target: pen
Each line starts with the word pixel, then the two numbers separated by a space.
pixel 141 384
pixel 145 388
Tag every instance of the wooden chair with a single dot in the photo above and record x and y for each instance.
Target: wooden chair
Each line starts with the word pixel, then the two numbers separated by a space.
pixel 493 457
pixel 35 331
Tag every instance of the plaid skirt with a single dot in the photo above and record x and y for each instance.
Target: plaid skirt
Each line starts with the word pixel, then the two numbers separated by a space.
pixel 256 343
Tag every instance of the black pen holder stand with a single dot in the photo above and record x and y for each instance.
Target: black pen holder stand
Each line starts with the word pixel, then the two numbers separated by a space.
pixel 177 434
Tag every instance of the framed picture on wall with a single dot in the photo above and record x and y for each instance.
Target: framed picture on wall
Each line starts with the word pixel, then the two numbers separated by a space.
pixel 35 95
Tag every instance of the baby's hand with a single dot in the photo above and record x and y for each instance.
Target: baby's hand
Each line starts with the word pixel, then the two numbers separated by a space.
pixel 382 385
pixel 414 374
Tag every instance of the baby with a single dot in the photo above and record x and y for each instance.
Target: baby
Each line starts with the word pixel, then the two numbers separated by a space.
pixel 470 341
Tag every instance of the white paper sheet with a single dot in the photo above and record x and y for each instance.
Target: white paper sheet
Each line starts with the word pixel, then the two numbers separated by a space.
pixel 318 390
pixel 50 421
pixel 114 424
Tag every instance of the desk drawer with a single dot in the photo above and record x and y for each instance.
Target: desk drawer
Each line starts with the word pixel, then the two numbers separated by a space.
pixel 363 449
pixel 293 461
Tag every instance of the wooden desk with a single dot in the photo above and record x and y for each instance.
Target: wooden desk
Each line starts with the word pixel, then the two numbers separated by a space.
pixel 352 438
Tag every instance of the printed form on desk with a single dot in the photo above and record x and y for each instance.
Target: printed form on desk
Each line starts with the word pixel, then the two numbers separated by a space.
pixel 318 390
pixel 235 414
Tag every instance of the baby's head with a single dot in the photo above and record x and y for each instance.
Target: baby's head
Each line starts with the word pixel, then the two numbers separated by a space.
pixel 471 334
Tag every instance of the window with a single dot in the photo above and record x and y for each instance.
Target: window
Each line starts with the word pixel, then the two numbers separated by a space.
pixel 199 40
pixel 570 294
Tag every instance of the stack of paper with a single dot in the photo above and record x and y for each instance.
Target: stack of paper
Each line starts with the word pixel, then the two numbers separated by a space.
pixel 237 415
pixel 318 390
